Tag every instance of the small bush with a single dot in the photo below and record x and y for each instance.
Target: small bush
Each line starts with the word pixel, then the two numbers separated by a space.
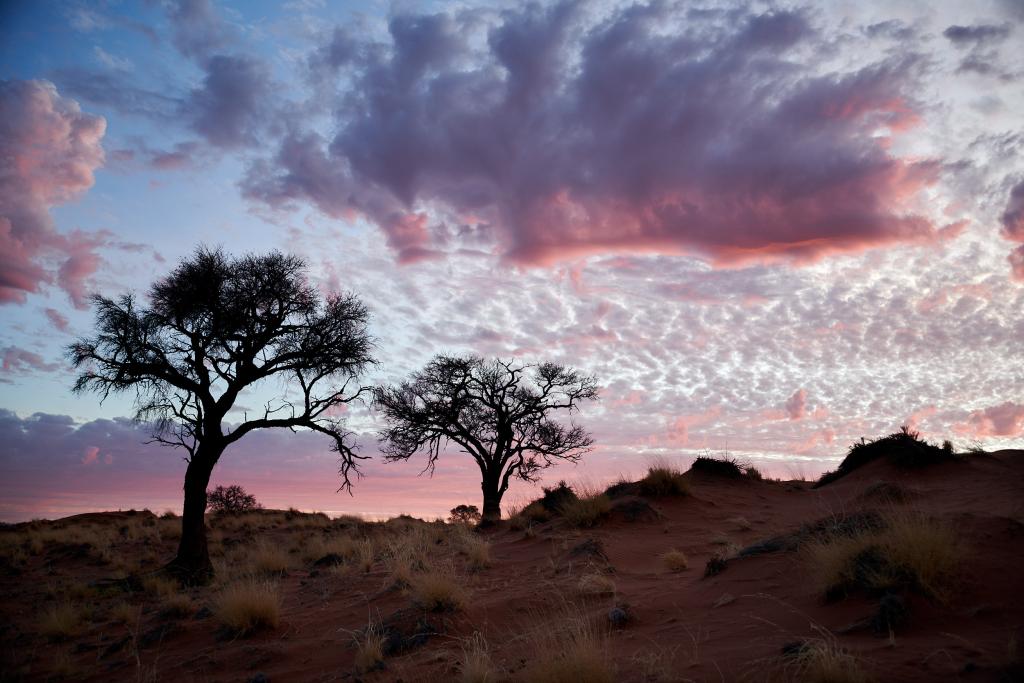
pixel 555 498
pixel 464 514
pixel 267 558
pixel 177 606
pixel 663 480
pixel 675 560
pixel 249 606
pixel 905 449
pixel 231 500
pixel 723 466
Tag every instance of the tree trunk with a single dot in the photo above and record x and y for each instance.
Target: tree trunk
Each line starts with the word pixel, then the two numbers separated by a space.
pixel 492 500
pixel 192 564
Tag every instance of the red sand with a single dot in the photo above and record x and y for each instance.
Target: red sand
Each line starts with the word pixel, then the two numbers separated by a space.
pixel 731 626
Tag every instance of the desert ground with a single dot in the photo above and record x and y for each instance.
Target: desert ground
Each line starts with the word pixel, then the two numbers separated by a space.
pixel 888 573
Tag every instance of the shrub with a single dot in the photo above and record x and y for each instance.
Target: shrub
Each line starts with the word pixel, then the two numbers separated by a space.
pixel 231 500
pixel 249 606
pixel 267 558
pixel 675 560
pixel 178 605
pixel 555 498
pixel 464 514
pixel 905 449
pixel 663 480
pixel 723 466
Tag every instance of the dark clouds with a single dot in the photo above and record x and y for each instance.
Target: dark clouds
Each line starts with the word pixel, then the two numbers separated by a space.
pixel 229 106
pixel 978 34
pixel 1013 228
pixel 50 149
pixel 649 130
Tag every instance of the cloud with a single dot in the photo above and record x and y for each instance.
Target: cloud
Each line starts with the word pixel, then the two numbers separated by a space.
pixel 796 405
pixel 229 106
pixel 14 359
pixel 965 36
pixel 197 30
pixel 57 319
pixel 564 136
pixel 50 150
pixel 1006 419
pixel 1013 228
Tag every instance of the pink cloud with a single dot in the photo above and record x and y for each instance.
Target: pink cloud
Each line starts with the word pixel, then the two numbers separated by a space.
pixel 50 151
pixel 57 319
pixel 796 405
pixel 1013 229
pixel 1006 419
pixel 565 139
pixel 14 359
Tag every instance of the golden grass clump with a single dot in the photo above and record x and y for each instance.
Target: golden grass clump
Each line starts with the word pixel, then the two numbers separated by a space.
pixel 587 510
pixel 663 480
pixel 596 584
pixel 369 650
pixel 177 606
pixel 266 558
pixel 675 560
pixel 476 549
pixel 249 605
pixel 824 662
pixel 909 549
pixel 60 621
pixel 437 591
pixel 124 613
pixel 568 653
pixel 476 665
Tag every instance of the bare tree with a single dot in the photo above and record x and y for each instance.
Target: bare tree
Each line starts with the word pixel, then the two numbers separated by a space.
pixel 218 326
pixel 498 412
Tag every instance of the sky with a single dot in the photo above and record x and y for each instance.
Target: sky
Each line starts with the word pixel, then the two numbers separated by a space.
pixel 768 229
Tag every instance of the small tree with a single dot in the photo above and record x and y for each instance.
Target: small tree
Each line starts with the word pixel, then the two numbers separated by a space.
pixel 497 412
pixel 231 499
pixel 216 327
pixel 464 514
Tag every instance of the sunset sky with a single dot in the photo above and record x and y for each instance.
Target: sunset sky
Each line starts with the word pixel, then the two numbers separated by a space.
pixel 767 228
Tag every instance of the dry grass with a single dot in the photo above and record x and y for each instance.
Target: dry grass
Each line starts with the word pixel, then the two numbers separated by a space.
pixel 910 549
pixel 476 549
pixel 476 665
pixel 177 606
pixel 124 613
pixel 249 605
pixel 568 653
pixel 161 586
pixel 61 621
pixel 675 560
pixel 596 584
pixel 664 480
pixel 268 558
pixel 824 662
pixel 437 591
pixel 587 510
pixel 369 649
pixel 741 523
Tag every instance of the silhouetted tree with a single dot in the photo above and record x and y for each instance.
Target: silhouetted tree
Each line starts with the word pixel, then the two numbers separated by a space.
pixel 231 499
pixel 498 412
pixel 216 326
pixel 464 514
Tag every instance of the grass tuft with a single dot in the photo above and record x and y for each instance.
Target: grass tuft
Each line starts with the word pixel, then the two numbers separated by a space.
pixel 675 560
pixel 663 481
pixel 249 605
